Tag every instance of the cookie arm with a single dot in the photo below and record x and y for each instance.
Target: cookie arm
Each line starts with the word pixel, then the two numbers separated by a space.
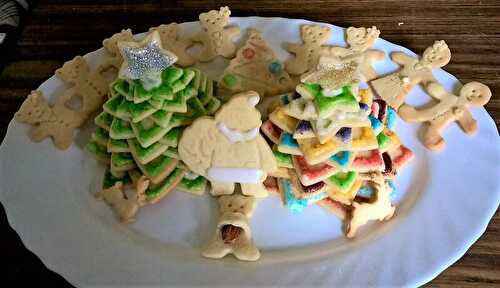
pixel 436 91
pixel 410 114
pixel 267 159
pixel 293 47
pixel 401 58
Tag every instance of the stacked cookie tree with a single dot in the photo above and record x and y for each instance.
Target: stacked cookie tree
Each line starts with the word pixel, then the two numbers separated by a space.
pixel 334 144
pixel 141 123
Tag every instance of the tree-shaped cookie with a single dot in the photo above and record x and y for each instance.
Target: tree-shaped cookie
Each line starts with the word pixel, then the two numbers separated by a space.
pixel 172 42
pixel 359 41
pixel 58 121
pixel 307 54
pixel 233 234
pixel 393 88
pixel 256 68
pixel 450 108
pixel 216 37
pixel 110 44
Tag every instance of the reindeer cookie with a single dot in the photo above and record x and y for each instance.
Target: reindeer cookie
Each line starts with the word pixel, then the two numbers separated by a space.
pixel 125 207
pixel 58 121
pixel 90 86
pixel 379 209
pixel 216 37
pixel 307 54
pixel 233 234
pixel 450 108
pixel 359 41
pixel 171 42
pixel 110 44
pixel 393 88
pixel 229 149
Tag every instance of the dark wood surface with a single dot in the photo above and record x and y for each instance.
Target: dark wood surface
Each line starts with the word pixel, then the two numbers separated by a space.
pixel 57 30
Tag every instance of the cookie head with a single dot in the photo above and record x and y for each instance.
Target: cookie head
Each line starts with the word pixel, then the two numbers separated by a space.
pixel 240 114
pixel 237 204
pixel 315 34
pixel 215 20
pixel 437 55
pixel 475 93
pixel 111 43
pixel 361 38
pixel 32 108
pixel 73 70
pixel 167 31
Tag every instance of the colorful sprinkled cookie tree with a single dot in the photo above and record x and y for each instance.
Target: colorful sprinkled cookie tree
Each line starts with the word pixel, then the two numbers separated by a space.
pixel 148 107
pixel 333 142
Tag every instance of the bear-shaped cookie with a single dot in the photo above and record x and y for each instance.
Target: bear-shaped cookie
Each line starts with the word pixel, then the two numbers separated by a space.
pixel 233 234
pixel 111 45
pixel 172 42
pixel 307 54
pixel 450 108
pixel 229 149
pixel 216 38
pixel 89 86
pixel 57 121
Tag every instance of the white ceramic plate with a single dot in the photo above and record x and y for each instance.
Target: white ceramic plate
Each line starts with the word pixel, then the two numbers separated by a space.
pixel 445 203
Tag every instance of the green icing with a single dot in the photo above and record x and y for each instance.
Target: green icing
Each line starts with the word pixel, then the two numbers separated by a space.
pixel 207 94
pixel 183 81
pixel 157 104
pixel 197 184
pixel 196 107
pixel 158 165
pixel 162 118
pixel 140 111
pixel 112 104
pixel 116 145
pixel 197 79
pixel 104 120
pixel 325 104
pixel 283 159
pixel 122 111
pixel 100 136
pixel 121 159
pixel 343 180
pixel 122 87
pixel 172 137
pixel 144 153
pixel 97 150
pixel 120 129
pixel 110 180
pixel 213 106
pixel 148 136
pixel 164 185
pixel 171 74
pixel 383 140
pixel 230 80
pixel 177 104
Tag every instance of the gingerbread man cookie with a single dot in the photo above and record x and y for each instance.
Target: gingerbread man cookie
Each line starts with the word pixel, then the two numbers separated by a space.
pixel 229 149
pixel 359 41
pixel 233 234
pixel 307 54
pixel 58 121
pixel 393 88
pixel 256 68
pixel 111 45
pixel 379 209
pixel 450 108
pixel 172 42
pixel 125 207
pixel 90 86
pixel 216 37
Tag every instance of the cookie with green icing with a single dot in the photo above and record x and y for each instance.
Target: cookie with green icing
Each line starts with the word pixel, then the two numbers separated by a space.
pixel 117 145
pixel 145 155
pixel 195 186
pixel 157 191
pixel 342 181
pixel 159 168
pixel 171 139
pixel 104 120
pixel 345 100
pixel 98 151
pixel 100 136
pixel 120 129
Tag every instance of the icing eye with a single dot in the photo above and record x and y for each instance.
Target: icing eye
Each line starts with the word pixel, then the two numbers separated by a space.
pixel 473 90
pixel 229 205
pixel 242 206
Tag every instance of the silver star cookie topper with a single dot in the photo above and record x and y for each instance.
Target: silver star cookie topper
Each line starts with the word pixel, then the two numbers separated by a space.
pixel 145 60
pixel 332 73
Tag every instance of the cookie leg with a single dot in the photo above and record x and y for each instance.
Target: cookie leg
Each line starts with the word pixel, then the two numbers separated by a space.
pixel 215 248
pixel 63 138
pixel 432 135
pixel 39 133
pixel 246 250
pixel 257 190
pixel 221 188
pixel 467 123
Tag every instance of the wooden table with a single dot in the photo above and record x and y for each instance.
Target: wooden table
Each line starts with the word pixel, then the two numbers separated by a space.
pixel 57 30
